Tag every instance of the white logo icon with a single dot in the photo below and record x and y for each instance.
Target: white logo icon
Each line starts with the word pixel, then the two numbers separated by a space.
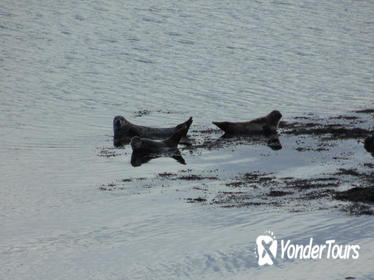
pixel 266 249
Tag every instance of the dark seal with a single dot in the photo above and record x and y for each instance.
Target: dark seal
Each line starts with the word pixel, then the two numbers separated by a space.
pixel 369 145
pixel 124 131
pixel 265 125
pixel 146 145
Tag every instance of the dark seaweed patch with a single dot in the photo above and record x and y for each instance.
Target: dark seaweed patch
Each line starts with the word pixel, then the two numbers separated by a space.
pixel 166 174
pixel 357 194
pixel 279 193
pixel 351 172
pixel 194 200
pixel 303 184
pixel 207 131
pixel 317 194
pixel 330 131
pixel 110 187
pixel 142 113
pixel 127 180
pixel 343 117
pixel 365 111
pixel 235 184
pixel 108 153
pixel 358 209
pixel 194 177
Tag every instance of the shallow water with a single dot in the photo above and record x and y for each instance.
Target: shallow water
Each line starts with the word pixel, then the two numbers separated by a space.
pixel 67 68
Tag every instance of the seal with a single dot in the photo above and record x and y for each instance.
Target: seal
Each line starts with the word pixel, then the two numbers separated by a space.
pixel 146 145
pixel 369 145
pixel 266 125
pixel 125 130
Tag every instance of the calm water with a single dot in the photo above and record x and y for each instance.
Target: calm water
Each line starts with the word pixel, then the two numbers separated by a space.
pixel 67 67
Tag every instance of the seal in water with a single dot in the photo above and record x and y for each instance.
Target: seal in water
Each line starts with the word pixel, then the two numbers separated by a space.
pixel 369 145
pixel 125 130
pixel 146 145
pixel 265 125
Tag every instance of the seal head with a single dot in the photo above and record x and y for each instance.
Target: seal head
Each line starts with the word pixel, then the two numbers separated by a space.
pixel 274 117
pixel 273 120
pixel 118 123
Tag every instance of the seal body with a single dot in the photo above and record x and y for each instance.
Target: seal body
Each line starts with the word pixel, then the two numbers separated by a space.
pixel 124 131
pixel 265 125
pixel 146 145
pixel 369 145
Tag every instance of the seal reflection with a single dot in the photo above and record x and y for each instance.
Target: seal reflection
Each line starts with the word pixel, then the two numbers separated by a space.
pixel 139 158
pixel 272 141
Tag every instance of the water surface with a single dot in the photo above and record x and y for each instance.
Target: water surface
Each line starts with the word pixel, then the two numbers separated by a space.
pixel 68 67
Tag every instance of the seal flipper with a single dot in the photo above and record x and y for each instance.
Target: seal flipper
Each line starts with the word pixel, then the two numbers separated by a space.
pixel 173 140
pixel 186 123
pixel 179 159
pixel 225 126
